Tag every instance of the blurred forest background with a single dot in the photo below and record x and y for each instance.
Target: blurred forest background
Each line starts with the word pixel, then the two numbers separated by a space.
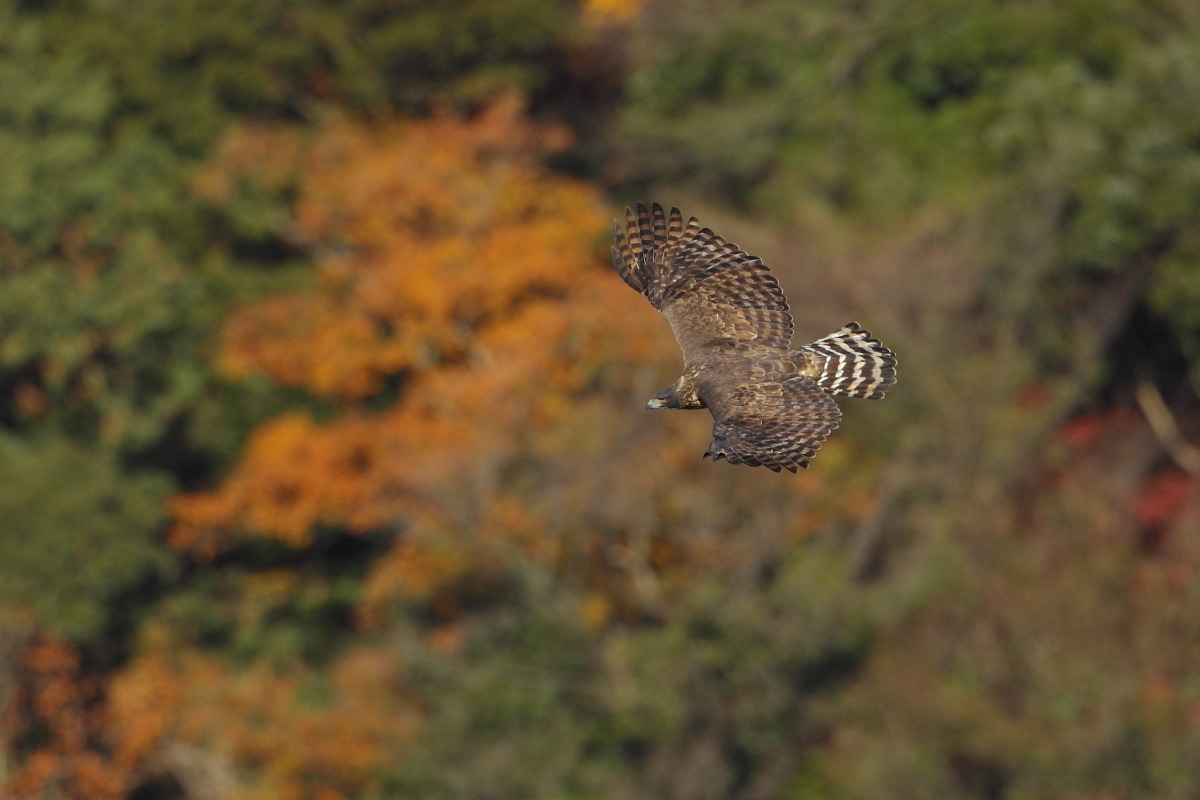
pixel 324 472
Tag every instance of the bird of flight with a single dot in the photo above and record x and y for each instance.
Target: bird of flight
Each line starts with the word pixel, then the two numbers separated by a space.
pixel 772 406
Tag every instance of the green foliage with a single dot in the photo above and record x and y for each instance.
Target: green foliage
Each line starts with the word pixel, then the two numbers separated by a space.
pixel 1037 667
pixel 198 62
pixel 100 327
pixel 77 533
pixel 101 321
pixel 284 616
pixel 872 111
pixel 709 704
pixel 1028 175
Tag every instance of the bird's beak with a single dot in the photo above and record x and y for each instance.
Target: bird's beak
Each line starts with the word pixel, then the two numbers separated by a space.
pixel 656 403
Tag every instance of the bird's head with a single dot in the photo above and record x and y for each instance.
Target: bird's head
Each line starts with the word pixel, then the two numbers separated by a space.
pixel 666 398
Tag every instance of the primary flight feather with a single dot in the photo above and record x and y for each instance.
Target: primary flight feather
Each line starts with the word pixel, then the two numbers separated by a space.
pixel 772 406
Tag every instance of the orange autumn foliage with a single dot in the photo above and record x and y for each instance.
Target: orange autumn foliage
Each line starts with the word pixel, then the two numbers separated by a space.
pixel 423 232
pixel 300 732
pixel 482 366
pixel 62 704
pixel 481 372
pixel 612 11
pixel 462 305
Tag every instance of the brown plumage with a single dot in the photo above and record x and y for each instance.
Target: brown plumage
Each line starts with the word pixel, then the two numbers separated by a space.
pixel 772 406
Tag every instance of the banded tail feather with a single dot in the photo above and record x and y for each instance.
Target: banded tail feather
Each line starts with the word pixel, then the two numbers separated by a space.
pixel 852 363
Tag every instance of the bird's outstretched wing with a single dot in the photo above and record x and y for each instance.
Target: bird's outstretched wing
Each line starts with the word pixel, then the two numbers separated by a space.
pixel 774 424
pixel 713 293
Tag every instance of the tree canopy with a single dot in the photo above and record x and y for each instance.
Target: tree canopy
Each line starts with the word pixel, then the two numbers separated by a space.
pixel 323 466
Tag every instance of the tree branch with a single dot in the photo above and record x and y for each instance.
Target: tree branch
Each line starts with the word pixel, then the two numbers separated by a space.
pixel 1165 428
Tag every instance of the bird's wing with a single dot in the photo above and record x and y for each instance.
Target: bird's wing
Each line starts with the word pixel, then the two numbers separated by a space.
pixel 713 293
pixel 778 424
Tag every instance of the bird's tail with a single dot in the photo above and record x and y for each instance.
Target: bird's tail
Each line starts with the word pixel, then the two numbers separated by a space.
pixel 853 363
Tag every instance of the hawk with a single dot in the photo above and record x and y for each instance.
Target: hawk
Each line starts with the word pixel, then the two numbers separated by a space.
pixel 772 406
